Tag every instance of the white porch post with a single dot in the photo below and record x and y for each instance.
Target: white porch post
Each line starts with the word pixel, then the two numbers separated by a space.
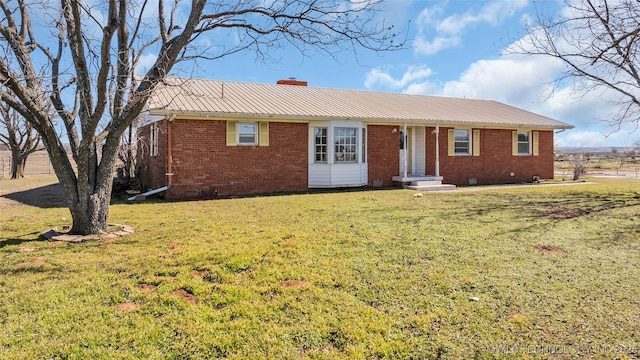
pixel 437 149
pixel 406 145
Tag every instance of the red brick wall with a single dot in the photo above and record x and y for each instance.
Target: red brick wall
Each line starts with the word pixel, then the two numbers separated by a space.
pixel 495 163
pixel 152 169
pixel 204 164
pixel 383 150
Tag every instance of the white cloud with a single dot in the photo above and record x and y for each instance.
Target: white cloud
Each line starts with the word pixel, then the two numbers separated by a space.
pixel 504 79
pixel 425 87
pixel 593 138
pixel 447 30
pixel 145 63
pixel 524 82
pixel 378 77
pixel 492 13
pixel 427 47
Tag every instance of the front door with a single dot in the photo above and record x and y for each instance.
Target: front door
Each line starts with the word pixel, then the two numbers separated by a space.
pixel 412 147
pixel 406 157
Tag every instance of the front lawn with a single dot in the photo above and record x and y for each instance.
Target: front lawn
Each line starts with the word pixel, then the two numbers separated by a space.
pixel 516 272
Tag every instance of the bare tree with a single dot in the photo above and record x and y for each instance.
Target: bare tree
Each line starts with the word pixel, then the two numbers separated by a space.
pixel 19 137
pixel 91 50
pixel 598 42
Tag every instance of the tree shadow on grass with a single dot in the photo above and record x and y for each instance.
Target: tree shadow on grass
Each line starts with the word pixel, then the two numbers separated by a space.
pixel 49 196
pixel 20 239
pixel 8 242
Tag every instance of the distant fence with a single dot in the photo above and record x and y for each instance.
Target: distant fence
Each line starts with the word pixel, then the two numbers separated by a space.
pixel 36 164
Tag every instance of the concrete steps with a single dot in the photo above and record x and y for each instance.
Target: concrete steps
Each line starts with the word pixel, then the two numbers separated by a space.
pixel 441 187
pixel 423 183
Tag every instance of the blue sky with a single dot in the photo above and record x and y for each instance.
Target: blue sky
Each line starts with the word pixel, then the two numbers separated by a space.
pixel 455 48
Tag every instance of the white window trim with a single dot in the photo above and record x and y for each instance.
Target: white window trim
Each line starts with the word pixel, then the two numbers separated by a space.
pixel 255 134
pixel 326 145
pixel 469 143
pixel 330 126
pixel 362 157
pixel 529 143
pixel 355 145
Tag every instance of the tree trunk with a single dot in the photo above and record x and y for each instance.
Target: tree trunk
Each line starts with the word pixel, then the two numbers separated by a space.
pixel 89 192
pixel 18 163
pixel 90 214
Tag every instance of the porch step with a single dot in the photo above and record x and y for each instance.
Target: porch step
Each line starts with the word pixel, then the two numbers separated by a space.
pixel 411 178
pixel 435 187
pixel 423 183
pixel 426 182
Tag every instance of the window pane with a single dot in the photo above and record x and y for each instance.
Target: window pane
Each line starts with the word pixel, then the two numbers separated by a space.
pixel 461 142
pixel 247 139
pixel 523 136
pixel 523 143
pixel 247 134
pixel 345 142
pixel 321 145
pixel 462 135
pixel 523 148
pixel 247 128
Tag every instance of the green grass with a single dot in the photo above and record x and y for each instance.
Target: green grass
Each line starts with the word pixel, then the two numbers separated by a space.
pixel 372 274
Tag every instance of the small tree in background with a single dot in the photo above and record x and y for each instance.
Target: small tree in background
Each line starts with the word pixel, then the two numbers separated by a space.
pixel 19 137
pixel 578 165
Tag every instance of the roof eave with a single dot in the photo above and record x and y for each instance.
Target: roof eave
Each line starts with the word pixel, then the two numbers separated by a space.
pixel 379 121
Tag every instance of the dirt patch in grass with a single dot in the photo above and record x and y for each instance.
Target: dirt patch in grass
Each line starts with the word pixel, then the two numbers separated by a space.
pixel 200 273
pixel 127 307
pixel 109 238
pixel 146 287
pixel 185 296
pixel 294 283
pixel 27 249
pixel 36 261
pixel 175 246
pixel 549 249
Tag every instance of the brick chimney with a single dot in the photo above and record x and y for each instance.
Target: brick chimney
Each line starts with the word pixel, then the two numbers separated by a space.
pixel 292 82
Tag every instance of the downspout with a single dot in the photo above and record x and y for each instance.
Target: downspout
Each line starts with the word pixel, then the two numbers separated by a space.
pixel 437 149
pixel 169 153
pixel 406 145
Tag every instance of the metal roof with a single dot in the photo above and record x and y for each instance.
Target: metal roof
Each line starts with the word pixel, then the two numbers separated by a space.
pixel 213 98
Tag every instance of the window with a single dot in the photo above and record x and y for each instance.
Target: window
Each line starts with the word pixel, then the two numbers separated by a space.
pixel 345 141
pixel 462 142
pixel 154 140
pixel 524 143
pixel 247 134
pixel 320 145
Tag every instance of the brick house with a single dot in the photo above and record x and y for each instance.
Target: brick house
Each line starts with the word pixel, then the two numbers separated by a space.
pixel 205 138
